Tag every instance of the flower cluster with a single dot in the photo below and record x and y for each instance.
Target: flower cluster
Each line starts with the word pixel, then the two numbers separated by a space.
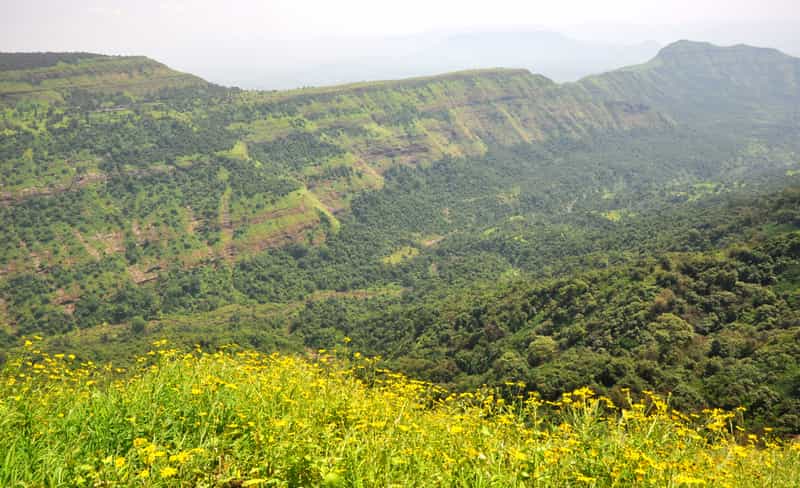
pixel 242 418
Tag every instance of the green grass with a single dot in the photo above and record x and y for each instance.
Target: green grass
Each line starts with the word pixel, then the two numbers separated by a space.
pixel 400 255
pixel 239 151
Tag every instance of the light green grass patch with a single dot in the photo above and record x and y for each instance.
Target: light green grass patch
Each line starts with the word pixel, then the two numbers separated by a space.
pixel 238 151
pixel 613 215
pixel 300 208
pixel 402 254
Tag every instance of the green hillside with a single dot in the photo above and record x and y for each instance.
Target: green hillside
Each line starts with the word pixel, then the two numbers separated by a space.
pixel 703 84
pixel 30 61
pixel 49 77
pixel 130 186
pixel 634 230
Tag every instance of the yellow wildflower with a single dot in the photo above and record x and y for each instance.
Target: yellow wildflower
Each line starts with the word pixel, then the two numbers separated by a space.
pixel 688 480
pixel 181 457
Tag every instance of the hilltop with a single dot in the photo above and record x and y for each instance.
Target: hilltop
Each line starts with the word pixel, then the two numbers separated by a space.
pixel 703 84
pixel 51 76
pixel 33 60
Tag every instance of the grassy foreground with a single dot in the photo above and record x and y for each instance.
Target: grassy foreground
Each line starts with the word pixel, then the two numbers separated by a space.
pixel 237 418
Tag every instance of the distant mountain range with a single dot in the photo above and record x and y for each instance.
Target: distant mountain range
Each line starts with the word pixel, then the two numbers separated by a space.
pixel 282 65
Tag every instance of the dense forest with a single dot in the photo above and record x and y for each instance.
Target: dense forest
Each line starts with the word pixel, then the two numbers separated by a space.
pixel 480 227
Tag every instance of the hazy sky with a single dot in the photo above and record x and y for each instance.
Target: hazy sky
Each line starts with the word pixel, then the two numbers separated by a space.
pixel 201 34
pixel 138 25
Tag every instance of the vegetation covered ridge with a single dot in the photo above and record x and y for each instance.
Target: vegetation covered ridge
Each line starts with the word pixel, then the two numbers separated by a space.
pixel 240 418
pixel 30 60
pixel 399 82
pixel 708 85
pixel 244 170
pixel 54 77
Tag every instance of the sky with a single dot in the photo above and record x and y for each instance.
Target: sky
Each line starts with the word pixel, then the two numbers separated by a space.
pixel 212 37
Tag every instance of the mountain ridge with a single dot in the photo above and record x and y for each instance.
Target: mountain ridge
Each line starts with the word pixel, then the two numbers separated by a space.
pixel 54 74
pixel 702 84
pixel 684 46
pixel 679 54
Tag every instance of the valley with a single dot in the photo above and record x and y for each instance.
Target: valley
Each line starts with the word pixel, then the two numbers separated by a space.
pixel 631 232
